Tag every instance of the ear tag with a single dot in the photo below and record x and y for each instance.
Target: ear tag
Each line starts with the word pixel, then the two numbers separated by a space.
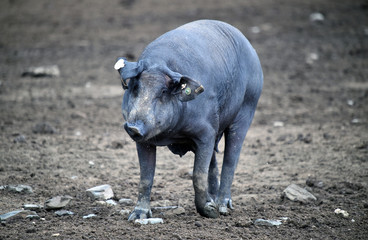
pixel 183 86
pixel 119 64
pixel 188 91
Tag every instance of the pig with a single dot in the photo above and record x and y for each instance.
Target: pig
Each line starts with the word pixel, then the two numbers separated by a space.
pixel 190 87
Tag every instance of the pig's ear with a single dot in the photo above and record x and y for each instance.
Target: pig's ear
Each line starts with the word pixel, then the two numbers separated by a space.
pixel 128 70
pixel 188 89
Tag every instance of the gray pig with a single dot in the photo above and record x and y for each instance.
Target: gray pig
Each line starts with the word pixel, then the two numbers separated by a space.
pixel 188 88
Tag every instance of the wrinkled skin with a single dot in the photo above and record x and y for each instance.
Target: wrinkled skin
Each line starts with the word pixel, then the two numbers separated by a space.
pixel 160 110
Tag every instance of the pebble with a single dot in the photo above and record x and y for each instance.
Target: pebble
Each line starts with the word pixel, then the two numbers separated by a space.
pixel 186 174
pixel 126 201
pixel 63 213
pixel 341 212
pixel 255 29
pixel 19 213
pixel 118 144
pixel 89 216
pixel 124 212
pixel 264 222
pixel 33 215
pixel 313 182
pixel 350 102
pixel 57 202
pixel 176 211
pixel 111 202
pixel 161 203
pixel 316 17
pixel 169 210
pixel 32 207
pixel 149 221
pixel 311 58
pixel 278 124
pixel 42 71
pixel 19 188
pixel 43 128
pixel 10 214
pixel 355 120
pixel 198 224
pixel 78 115
pixel 102 192
pixel 20 139
pixel 298 194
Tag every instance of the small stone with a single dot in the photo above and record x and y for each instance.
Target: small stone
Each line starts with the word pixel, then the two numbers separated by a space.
pixel 355 121
pixel 78 115
pixel 161 203
pixel 263 222
pixel 126 201
pixel 124 212
pixel 255 29
pixel 174 211
pixel 89 216
pixel 149 221
pixel 55 235
pixel 32 215
pixel 316 17
pixel 117 144
pixel 111 202
pixel 32 207
pixel 306 139
pixel 10 214
pixel 243 223
pixel 63 213
pixel 278 124
pixel 57 202
pixel 102 192
pixel 313 182
pixel 185 173
pixel 20 139
pixel 19 213
pixel 296 193
pixel 42 71
pixel 311 58
pixel 101 202
pixel 19 188
pixel 341 212
pixel 350 102
pixel 198 224
pixel 43 128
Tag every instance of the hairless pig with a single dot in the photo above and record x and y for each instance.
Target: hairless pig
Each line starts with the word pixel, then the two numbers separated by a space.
pixel 188 88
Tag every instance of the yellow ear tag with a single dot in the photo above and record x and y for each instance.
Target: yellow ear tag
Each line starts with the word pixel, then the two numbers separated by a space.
pixel 188 91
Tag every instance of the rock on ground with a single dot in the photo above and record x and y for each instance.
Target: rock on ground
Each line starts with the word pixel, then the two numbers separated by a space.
pixel 298 194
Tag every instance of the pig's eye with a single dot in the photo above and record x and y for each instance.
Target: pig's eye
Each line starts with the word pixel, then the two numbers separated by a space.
pixel 163 92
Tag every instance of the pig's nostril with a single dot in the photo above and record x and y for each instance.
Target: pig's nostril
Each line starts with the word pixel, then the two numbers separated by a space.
pixel 133 130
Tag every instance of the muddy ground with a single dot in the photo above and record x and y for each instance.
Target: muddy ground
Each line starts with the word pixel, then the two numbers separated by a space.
pixel 311 122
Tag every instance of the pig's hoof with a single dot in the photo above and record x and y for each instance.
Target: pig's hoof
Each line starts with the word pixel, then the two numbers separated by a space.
pixel 223 208
pixel 140 213
pixel 210 210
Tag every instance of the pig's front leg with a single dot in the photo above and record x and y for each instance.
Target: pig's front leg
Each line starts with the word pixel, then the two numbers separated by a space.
pixel 205 205
pixel 147 163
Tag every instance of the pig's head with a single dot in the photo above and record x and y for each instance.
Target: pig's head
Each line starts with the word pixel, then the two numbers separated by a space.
pixel 152 98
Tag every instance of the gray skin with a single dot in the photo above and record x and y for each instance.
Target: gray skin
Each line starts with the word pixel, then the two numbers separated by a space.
pixel 160 110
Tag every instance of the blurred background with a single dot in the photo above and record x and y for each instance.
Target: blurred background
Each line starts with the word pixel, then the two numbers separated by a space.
pixel 60 116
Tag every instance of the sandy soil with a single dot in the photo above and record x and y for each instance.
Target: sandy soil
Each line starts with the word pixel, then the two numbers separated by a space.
pixel 315 87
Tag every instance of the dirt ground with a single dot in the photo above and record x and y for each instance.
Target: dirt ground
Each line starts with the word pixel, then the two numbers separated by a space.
pixel 310 127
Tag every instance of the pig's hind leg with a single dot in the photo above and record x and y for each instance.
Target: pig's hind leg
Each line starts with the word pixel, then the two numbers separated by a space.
pixel 234 138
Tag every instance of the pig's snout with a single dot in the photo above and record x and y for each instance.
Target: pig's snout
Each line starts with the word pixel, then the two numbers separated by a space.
pixel 135 130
